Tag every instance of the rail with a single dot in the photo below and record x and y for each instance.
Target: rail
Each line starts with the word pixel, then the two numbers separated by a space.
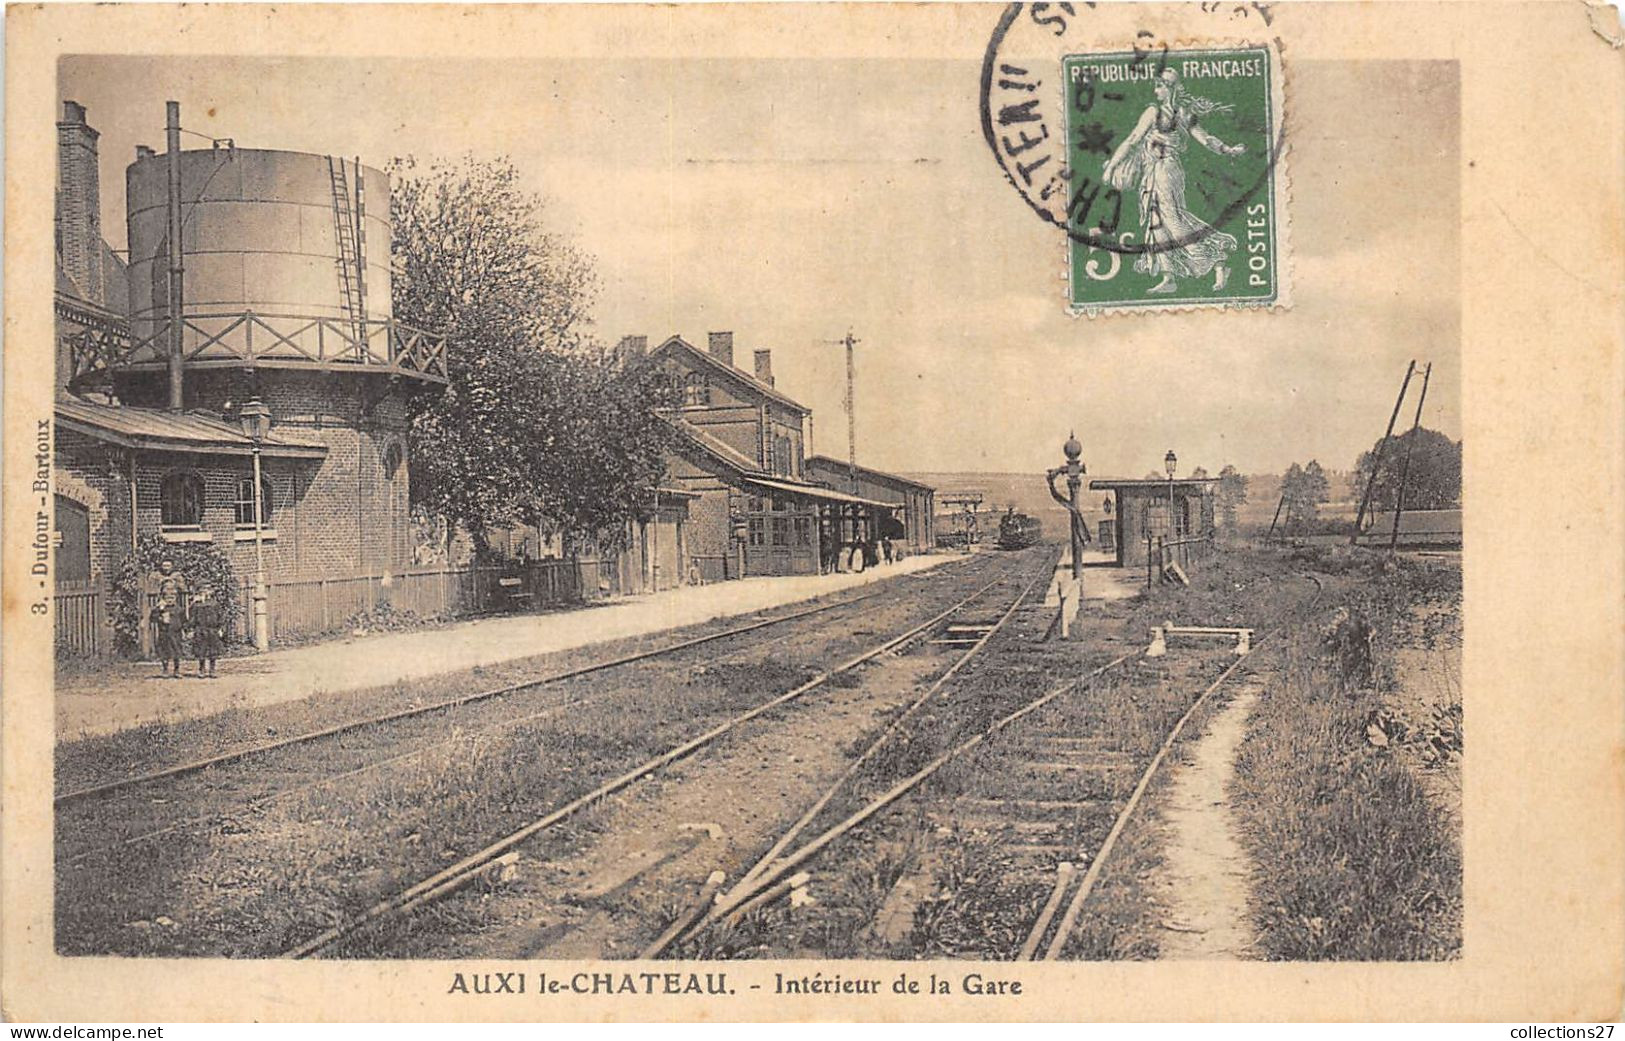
pixel 457 875
pixel 247 338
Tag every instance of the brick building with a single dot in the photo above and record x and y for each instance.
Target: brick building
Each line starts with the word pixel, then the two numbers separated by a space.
pixel 741 447
pixel 283 305
pixel 917 515
pixel 1154 508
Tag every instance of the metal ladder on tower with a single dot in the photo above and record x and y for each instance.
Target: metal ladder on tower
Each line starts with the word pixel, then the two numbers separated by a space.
pixel 347 229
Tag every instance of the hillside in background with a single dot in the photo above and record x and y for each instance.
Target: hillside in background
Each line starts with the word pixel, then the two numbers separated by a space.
pixel 1028 494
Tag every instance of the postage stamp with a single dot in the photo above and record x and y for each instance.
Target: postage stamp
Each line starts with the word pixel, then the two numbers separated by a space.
pixel 1172 161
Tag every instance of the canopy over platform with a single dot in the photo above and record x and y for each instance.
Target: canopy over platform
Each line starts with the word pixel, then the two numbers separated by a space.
pixel 823 495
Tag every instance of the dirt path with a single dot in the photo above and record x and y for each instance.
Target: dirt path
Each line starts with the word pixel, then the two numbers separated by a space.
pixel 1202 884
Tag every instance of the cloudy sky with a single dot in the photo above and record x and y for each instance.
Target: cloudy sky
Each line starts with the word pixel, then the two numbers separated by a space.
pixel 790 201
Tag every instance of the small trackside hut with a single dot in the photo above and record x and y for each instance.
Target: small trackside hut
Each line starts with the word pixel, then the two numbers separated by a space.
pixel 1148 509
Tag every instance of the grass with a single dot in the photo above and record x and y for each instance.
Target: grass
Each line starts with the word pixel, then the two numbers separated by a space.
pixel 1353 862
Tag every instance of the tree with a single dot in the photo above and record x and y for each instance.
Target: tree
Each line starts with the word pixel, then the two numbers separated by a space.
pixel 538 425
pixel 1232 493
pixel 1304 488
pixel 1434 480
pixel 1199 474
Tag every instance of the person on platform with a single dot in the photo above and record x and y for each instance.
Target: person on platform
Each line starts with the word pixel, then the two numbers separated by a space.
pixel 167 622
pixel 208 630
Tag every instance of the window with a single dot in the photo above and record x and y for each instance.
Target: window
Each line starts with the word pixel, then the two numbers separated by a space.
pixel 180 501
pixel 803 531
pixel 245 502
pixel 696 390
pixel 783 458
pixel 394 455
pixel 758 531
pixel 781 532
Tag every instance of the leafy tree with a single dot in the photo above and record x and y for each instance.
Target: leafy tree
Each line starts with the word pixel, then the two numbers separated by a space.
pixel 1304 488
pixel 1232 493
pixel 538 425
pixel 1199 474
pixel 1434 481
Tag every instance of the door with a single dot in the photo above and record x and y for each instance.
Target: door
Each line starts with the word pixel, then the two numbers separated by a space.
pixel 73 549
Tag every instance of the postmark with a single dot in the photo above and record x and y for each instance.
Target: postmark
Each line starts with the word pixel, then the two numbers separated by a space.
pixel 1162 163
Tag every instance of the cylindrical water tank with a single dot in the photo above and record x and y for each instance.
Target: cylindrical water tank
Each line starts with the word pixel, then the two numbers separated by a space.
pixel 260 233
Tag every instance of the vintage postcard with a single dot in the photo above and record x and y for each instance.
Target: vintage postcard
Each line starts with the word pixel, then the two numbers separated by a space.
pixel 813 512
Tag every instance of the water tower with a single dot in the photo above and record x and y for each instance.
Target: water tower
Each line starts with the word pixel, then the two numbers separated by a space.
pixel 284 281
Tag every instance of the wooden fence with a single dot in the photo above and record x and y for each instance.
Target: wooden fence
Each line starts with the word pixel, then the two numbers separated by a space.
pixel 1188 552
pixel 310 607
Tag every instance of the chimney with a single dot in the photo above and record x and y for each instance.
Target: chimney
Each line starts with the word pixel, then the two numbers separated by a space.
pixel 632 349
pixel 144 152
pixel 764 367
pixel 78 202
pixel 722 347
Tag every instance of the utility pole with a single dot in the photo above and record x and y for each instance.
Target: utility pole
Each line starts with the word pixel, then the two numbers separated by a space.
pixel 1376 457
pixel 172 127
pixel 1405 468
pixel 851 415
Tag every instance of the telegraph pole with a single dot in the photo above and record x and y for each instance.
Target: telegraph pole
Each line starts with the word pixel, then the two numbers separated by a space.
pixel 1405 467
pixel 851 415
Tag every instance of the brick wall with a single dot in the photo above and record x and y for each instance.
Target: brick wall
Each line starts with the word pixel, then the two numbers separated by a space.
pixel 340 515
pixel 90 476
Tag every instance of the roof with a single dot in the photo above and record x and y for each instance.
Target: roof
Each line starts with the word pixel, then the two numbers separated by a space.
pixel 714 446
pixel 1108 483
pixel 753 474
pixel 812 491
pixel 711 361
pixel 867 471
pixel 158 430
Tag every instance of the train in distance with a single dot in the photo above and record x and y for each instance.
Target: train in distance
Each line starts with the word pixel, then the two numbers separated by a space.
pixel 1018 530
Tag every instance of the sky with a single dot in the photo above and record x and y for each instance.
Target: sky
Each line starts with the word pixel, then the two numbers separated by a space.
pixel 790 201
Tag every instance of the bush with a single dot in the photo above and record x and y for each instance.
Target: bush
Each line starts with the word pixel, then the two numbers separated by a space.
pixel 201 563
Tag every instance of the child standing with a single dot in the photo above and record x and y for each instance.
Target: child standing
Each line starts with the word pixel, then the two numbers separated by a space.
pixel 167 620
pixel 208 630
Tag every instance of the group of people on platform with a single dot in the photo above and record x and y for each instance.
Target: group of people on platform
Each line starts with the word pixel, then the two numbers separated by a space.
pixel 179 617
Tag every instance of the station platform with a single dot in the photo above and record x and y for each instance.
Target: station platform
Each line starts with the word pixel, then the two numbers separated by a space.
pixel 127 695
pixel 1102 578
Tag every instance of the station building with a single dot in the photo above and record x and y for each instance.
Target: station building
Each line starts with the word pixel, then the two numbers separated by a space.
pixel 741 447
pixel 289 356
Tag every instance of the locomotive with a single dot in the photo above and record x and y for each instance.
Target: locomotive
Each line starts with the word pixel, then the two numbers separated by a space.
pixel 1018 530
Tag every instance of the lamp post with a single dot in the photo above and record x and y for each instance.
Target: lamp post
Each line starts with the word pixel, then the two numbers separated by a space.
pixel 1170 463
pixel 256 420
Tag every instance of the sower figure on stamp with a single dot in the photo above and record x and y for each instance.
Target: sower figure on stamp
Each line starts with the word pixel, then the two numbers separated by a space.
pixel 208 630
pixel 1177 243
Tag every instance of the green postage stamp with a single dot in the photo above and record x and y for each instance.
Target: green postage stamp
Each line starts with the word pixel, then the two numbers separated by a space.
pixel 1176 186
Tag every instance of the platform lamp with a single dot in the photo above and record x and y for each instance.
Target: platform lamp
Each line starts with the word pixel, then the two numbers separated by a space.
pixel 255 418
pixel 1170 462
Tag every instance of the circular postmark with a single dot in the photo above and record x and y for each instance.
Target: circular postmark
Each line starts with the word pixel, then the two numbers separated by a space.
pixel 1160 161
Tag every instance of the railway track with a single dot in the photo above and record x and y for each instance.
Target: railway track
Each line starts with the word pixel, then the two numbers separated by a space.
pixel 140 809
pixel 962 630
pixel 1043 795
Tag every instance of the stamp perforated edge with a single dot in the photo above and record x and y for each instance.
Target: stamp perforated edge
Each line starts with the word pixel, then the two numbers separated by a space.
pixel 1280 180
